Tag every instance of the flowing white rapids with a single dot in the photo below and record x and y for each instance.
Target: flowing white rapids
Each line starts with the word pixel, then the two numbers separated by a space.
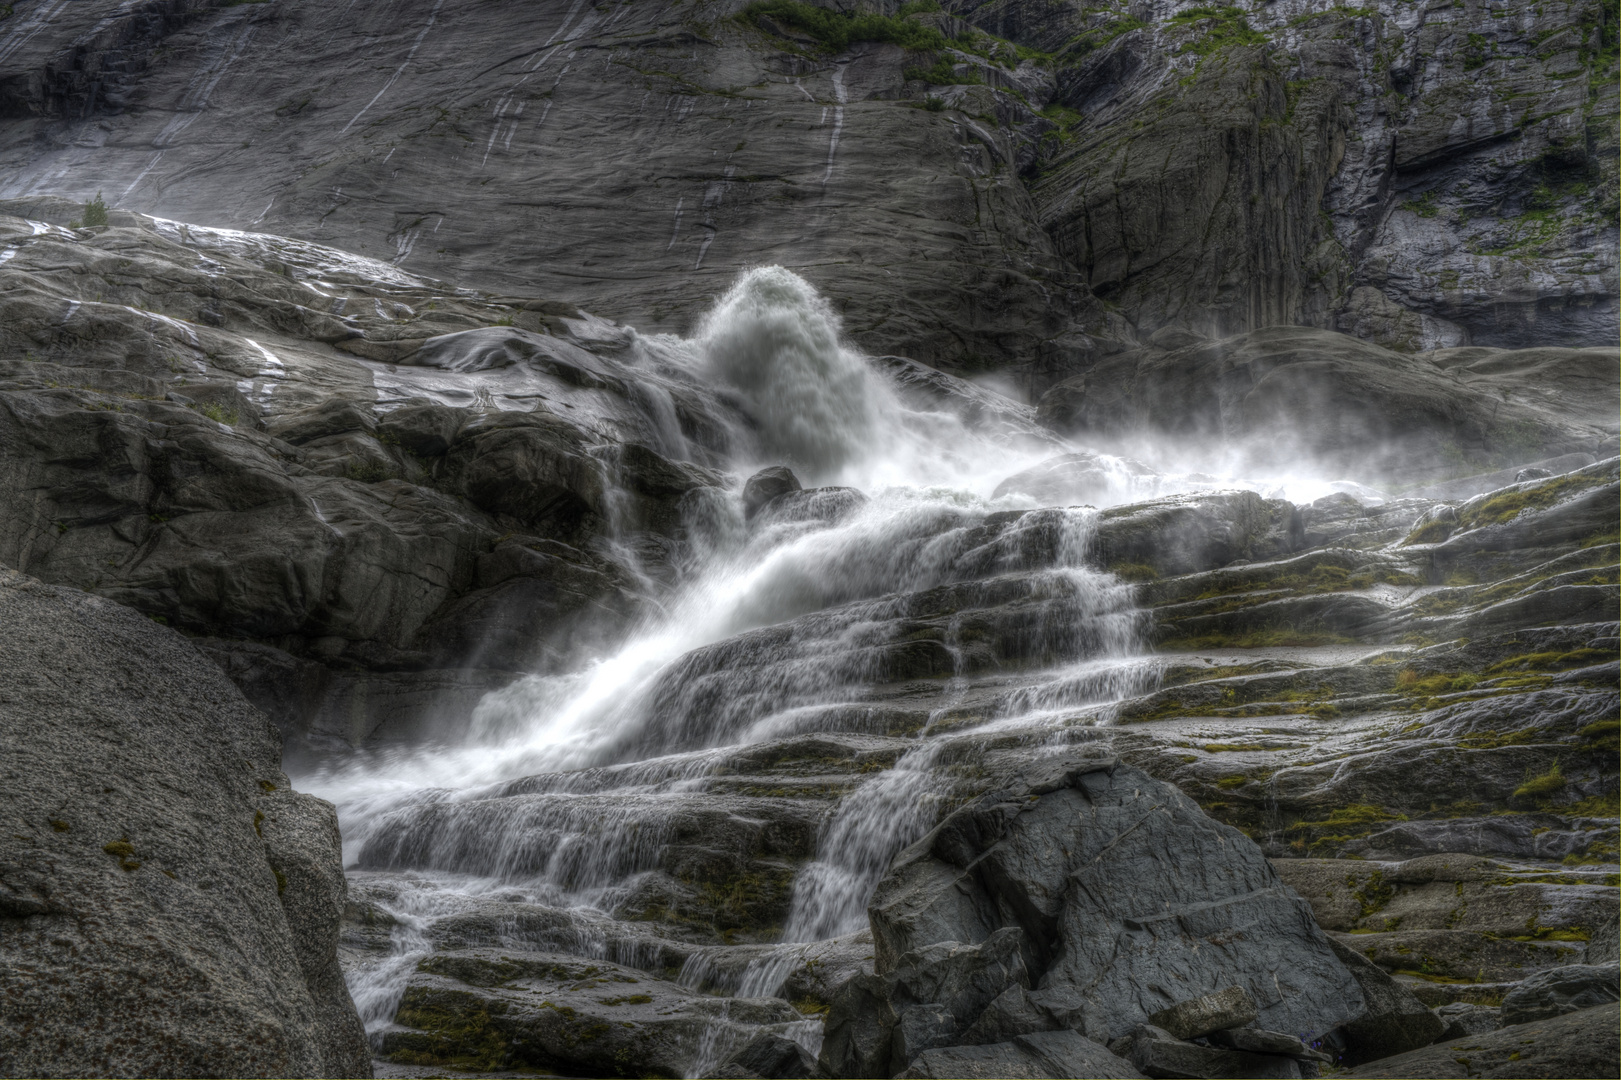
pixel 561 792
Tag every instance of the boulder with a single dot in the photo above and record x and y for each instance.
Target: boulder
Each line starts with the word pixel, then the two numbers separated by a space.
pixel 1259 1041
pixel 1084 478
pixel 1465 1018
pixel 1229 1008
pixel 169 906
pixel 766 485
pixel 1159 1054
pixel 1185 534
pixel 1581 1043
pixel 1561 990
pixel 769 1056
pixel 1394 1021
pixel 1038 1056
pixel 1112 886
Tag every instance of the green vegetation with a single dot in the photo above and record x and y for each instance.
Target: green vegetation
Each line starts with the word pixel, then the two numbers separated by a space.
pixel 1373 894
pixel 1551 661
pixel 455 1031
pixel 1603 737
pixel 835 30
pixel 941 74
pixel 124 851
pixel 1546 784
pixel 1276 637
pixel 1134 572
pixel 218 413
pixel 1341 825
pixel 95 214
pixel 1424 206
pixel 1223 27
pixel 1411 684
pixel 1090 40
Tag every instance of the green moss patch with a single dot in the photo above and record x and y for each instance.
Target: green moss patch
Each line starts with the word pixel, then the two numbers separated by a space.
pixel 836 30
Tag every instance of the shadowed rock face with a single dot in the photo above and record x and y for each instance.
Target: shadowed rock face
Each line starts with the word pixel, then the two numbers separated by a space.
pixel 168 905
pixel 1422 178
pixel 1112 878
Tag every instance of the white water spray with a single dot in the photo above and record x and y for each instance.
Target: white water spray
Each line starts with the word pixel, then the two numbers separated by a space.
pixel 565 783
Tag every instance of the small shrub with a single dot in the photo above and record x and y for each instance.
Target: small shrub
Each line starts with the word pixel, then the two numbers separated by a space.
pixel 218 413
pixel 95 212
pixel 934 104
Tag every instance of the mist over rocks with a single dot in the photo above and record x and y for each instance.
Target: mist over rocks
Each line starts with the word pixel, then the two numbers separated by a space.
pixel 169 906
pixel 1351 406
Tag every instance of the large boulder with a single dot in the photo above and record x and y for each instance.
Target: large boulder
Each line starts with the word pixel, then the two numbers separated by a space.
pixel 168 905
pixel 1108 893
pixel 1577 1044
pixel 1395 1020
pixel 1286 393
pixel 1047 1055
pixel 1561 990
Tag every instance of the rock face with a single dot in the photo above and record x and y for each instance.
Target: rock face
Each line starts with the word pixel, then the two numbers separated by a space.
pixel 488 1009
pixel 1423 178
pixel 362 543
pixel 1553 993
pixel 168 905
pixel 1071 890
pixel 1293 393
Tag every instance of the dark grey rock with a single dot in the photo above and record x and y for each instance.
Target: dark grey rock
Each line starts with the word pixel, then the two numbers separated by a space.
pixel 1052 1054
pixel 1561 990
pixel 1229 1008
pixel 1465 1018
pixel 1394 1020
pixel 769 1056
pixel 1257 1041
pixel 931 997
pixel 1010 1014
pixel 170 905
pixel 766 485
pixel 1583 1043
pixel 1046 854
pixel 1158 1056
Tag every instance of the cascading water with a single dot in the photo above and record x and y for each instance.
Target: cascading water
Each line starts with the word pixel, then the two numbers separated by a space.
pixel 561 794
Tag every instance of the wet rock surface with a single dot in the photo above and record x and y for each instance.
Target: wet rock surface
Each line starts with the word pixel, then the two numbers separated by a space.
pixel 168 904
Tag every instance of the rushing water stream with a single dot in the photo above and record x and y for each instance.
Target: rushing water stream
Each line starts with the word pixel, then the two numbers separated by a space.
pixel 560 793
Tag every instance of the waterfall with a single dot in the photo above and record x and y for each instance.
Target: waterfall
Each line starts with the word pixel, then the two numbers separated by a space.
pixel 564 784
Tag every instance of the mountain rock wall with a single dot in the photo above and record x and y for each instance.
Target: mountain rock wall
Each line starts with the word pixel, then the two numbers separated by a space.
pixel 1042 185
